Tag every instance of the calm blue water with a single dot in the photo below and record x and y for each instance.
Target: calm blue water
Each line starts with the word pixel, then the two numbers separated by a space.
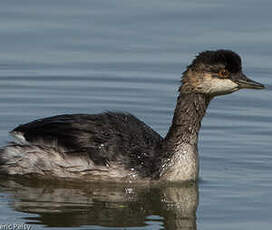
pixel 91 56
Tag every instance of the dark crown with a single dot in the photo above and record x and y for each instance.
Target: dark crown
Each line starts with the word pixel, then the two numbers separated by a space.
pixel 211 59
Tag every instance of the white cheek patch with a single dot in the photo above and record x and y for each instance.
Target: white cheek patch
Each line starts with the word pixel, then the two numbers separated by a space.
pixel 219 86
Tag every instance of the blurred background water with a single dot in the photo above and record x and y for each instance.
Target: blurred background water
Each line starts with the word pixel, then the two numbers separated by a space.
pixel 90 56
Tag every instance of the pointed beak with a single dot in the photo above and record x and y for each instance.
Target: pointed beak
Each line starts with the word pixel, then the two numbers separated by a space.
pixel 245 83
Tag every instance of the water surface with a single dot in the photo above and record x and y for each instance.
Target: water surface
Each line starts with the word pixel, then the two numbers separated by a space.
pixel 93 56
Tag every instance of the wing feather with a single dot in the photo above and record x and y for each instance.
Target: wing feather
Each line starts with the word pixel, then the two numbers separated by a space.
pixel 104 137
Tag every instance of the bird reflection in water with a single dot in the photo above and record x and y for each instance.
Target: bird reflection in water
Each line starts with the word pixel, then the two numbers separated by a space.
pixel 112 205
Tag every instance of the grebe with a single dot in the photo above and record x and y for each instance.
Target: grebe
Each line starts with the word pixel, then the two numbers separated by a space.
pixel 119 147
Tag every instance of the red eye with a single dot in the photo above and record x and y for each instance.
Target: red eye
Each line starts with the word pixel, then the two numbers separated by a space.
pixel 223 73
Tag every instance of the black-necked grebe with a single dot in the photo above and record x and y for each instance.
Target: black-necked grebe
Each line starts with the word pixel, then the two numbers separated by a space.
pixel 118 146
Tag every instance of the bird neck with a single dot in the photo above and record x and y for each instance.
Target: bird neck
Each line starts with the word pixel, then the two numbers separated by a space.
pixel 179 147
pixel 190 110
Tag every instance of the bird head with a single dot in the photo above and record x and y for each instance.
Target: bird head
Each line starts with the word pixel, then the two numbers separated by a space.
pixel 216 73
